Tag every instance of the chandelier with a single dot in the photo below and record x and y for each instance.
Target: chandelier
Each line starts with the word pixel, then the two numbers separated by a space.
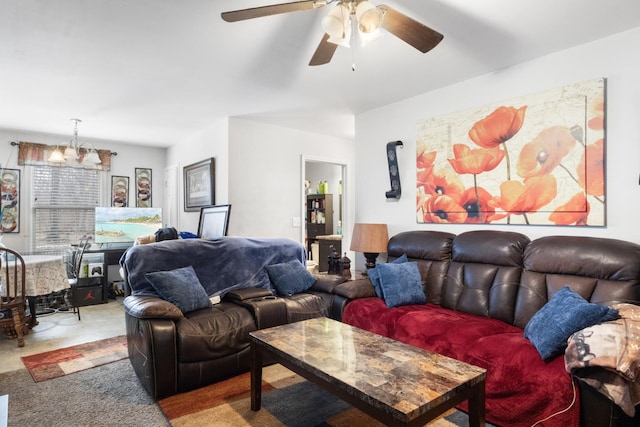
pixel 75 153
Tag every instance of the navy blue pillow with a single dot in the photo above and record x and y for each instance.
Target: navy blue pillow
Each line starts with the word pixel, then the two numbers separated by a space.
pixel 563 315
pixel 180 287
pixel 374 275
pixel 401 284
pixel 290 277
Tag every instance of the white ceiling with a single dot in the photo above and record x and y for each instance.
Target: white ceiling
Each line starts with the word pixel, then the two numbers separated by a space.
pixel 156 71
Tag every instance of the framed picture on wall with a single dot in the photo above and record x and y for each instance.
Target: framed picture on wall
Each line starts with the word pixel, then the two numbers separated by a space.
pixel 10 202
pixel 119 191
pixel 143 188
pixel 199 185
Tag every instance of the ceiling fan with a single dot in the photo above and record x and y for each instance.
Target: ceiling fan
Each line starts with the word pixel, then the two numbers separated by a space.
pixel 345 20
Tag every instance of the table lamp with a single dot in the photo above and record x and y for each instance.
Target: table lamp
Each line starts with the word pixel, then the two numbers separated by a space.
pixel 371 239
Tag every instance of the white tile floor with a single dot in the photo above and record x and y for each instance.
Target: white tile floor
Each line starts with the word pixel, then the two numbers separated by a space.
pixel 63 329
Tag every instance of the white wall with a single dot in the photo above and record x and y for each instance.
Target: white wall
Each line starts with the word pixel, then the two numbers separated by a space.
pixel 611 58
pixel 265 181
pixel 129 157
pixel 212 142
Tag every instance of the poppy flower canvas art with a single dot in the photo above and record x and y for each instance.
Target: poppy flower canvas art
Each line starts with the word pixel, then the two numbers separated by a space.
pixel 535 160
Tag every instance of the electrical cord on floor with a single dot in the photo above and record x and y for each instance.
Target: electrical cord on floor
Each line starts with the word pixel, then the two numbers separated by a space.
pixel 573 401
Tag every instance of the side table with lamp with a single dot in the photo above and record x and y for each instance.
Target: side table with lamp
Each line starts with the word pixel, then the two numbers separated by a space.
pixel 371 240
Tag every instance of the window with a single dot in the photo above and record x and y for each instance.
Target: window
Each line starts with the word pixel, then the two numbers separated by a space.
pixel 64 199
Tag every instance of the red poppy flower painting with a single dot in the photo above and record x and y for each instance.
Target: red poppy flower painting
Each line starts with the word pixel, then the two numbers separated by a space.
pixel 538 159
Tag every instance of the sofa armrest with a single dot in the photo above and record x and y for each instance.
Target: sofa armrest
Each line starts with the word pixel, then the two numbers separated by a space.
pixel 327 283
pixel 247 293
pixel 354 289
pixel 147 307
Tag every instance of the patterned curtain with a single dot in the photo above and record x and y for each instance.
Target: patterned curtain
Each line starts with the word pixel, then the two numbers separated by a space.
pixel 31 153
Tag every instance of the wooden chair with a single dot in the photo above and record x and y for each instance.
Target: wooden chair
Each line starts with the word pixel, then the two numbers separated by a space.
pixel 14 300
pixel 73 269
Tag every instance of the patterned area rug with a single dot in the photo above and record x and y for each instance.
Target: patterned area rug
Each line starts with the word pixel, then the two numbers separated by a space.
pixel 287 400
pixel 65 361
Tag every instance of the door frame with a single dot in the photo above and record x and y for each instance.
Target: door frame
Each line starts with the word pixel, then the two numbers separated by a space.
pixel 347 214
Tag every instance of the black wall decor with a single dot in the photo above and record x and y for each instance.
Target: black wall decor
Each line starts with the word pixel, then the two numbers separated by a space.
pixel 394 173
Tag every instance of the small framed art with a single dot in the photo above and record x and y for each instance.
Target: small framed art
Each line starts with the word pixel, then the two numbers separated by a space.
pixel 119 191
pixel 143 188
pixel 10 201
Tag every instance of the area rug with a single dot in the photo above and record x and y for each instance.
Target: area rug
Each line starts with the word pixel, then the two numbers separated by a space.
pixel 107 396
pixel 65 361
pixel 287 400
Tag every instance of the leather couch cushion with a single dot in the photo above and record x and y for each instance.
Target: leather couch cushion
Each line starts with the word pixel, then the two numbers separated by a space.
pixel 213 332
pixel 307 305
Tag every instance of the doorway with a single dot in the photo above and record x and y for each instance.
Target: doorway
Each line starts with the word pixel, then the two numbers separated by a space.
pixel 323 213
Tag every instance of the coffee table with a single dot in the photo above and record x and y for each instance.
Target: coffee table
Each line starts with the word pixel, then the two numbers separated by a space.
pixel 395 383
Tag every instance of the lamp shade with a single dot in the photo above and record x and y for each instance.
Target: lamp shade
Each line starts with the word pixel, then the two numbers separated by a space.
pixel 369 17
pixel 92 157
pixel 337 24
pixel 56 156
pixel 370 238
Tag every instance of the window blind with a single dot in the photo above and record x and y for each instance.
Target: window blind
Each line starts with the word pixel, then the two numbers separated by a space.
pixel 63 206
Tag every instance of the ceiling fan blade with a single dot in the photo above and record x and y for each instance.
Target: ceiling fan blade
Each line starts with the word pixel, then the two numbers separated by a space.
pixel 274 9
pixel 409 30
pixel 324 52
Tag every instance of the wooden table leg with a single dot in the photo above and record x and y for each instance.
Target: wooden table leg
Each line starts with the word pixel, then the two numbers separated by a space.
pixel 477 406
pixel 256 377
pixel 32 309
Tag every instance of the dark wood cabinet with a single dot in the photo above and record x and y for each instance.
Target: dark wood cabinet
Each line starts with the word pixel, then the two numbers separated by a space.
pixel 319 215
pixel 319 220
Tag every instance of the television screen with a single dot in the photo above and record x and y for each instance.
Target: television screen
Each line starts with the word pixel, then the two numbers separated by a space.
pixel 124 225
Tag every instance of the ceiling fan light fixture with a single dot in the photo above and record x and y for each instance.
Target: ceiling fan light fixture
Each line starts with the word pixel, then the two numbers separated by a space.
pixel 368 38
pixel 337 24
pixel 369 17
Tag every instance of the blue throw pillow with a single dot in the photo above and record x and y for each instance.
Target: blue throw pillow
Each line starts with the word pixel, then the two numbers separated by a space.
pixel 180 287
pixel 374 274
pixel 401 284
pixel 564 314
pixel 290 277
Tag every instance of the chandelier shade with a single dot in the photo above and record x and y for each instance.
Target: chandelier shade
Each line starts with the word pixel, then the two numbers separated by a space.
pixel 75 153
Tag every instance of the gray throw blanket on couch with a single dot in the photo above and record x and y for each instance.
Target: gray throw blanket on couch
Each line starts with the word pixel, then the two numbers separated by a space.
pixel 221 264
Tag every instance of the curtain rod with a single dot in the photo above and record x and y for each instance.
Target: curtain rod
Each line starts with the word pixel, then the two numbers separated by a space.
pixel 16 144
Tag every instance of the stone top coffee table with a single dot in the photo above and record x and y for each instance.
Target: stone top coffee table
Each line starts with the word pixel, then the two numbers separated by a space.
pixel 395 383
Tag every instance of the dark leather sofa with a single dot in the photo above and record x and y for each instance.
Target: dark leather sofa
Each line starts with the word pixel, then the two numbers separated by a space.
pixel 173 352
pixel 482 287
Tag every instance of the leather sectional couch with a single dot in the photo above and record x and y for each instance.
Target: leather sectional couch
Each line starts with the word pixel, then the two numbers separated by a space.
pixel 173 351
pixel 482 288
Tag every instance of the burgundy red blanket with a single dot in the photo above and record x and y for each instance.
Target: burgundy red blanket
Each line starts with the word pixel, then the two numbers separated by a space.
pixel 521 389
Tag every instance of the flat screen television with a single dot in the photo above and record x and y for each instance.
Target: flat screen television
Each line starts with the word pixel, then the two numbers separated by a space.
pixel 124 225
pixel 214 221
